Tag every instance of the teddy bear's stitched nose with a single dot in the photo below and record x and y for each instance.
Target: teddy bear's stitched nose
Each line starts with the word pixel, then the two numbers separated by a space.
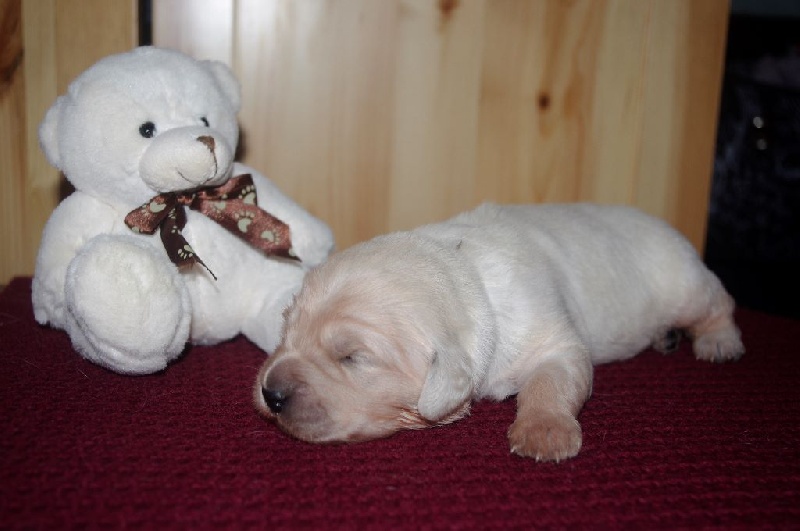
pixel 208 141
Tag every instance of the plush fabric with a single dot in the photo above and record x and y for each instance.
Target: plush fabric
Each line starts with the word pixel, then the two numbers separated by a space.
pixel 147 138
pixel 668 442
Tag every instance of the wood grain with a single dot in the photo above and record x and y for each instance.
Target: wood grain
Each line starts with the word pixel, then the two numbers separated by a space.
pixel 39 182
pixel 58 40
pixel 12 146
pixel 380 116
pixel 201 28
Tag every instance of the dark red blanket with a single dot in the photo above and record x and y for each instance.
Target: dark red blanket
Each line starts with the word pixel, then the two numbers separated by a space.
pixel 668 442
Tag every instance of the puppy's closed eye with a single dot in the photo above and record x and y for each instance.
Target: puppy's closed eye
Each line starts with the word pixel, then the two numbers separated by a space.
pixel 356 359
pixel 350 360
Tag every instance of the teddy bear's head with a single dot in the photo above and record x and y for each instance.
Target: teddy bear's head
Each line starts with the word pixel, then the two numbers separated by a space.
pixel 144 122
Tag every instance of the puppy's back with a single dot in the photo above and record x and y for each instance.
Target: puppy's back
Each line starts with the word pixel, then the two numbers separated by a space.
pixel 620 275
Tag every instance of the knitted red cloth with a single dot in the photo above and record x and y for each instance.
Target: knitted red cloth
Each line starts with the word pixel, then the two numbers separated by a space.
pixel 668 442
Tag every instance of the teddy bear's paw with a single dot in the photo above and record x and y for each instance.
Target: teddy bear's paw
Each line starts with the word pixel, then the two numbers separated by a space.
pixel 129 310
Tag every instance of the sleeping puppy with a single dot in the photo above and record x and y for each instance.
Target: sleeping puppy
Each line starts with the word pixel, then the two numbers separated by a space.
pixel 405 330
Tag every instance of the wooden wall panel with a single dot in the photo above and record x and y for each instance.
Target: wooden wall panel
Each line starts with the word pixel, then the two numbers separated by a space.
pixel 380 116
pixel 12 139
pixel 201 28
pixel 321 132
pixel 55 40
pixel 384 115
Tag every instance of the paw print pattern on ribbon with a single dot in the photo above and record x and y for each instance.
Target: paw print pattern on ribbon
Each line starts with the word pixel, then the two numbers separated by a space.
pixel 243 217
pixel 186 252
pixel 165 212
pixel 243 221
pixel 233 205
pixel 248 194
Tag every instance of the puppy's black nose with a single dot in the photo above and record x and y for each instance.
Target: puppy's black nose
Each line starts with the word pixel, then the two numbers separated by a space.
pixel 275 400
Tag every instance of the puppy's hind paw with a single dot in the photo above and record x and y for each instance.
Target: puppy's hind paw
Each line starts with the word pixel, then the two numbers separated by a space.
pixel 546 437
pixel 719 346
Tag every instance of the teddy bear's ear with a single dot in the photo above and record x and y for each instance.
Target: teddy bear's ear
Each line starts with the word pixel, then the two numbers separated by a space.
pixel 227 82
pixel 48 132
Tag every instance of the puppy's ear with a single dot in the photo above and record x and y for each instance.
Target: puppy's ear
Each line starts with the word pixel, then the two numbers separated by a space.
pixel 448 383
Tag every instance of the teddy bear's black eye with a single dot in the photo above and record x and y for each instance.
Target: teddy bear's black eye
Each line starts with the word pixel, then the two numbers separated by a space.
pixel 204 120
pixel 147 129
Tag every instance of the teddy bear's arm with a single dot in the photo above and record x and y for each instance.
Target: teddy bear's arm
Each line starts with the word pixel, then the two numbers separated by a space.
pixel 74 222
pixel 312 239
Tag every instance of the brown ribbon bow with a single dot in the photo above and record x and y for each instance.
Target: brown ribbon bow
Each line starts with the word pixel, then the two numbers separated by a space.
pixel 232 205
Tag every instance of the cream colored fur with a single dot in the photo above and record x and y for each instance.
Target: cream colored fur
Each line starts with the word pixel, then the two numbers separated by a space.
pixel 405 330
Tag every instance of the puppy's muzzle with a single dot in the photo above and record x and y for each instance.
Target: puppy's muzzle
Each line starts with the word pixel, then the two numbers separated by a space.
pixel 278 386
pixel 284 396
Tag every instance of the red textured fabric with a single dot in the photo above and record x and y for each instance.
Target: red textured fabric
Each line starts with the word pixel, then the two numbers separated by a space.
pixel 669 442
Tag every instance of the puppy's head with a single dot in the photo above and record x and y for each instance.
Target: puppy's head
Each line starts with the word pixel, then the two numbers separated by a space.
pixel 365 352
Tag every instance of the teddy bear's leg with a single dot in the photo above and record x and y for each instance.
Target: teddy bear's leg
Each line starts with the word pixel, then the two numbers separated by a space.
pixel 264 328
pixel 128 308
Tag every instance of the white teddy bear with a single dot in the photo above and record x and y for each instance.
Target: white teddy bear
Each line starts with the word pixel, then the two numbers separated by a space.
pixel 147 138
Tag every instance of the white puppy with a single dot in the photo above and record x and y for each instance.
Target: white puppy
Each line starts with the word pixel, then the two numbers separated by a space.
pixel 405 330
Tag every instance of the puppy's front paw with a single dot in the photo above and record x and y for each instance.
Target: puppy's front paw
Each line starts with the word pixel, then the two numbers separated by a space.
pixel 545 436
pixel 718 346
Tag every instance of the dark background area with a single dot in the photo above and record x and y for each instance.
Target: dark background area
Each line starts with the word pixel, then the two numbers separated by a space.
pixel 753 239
